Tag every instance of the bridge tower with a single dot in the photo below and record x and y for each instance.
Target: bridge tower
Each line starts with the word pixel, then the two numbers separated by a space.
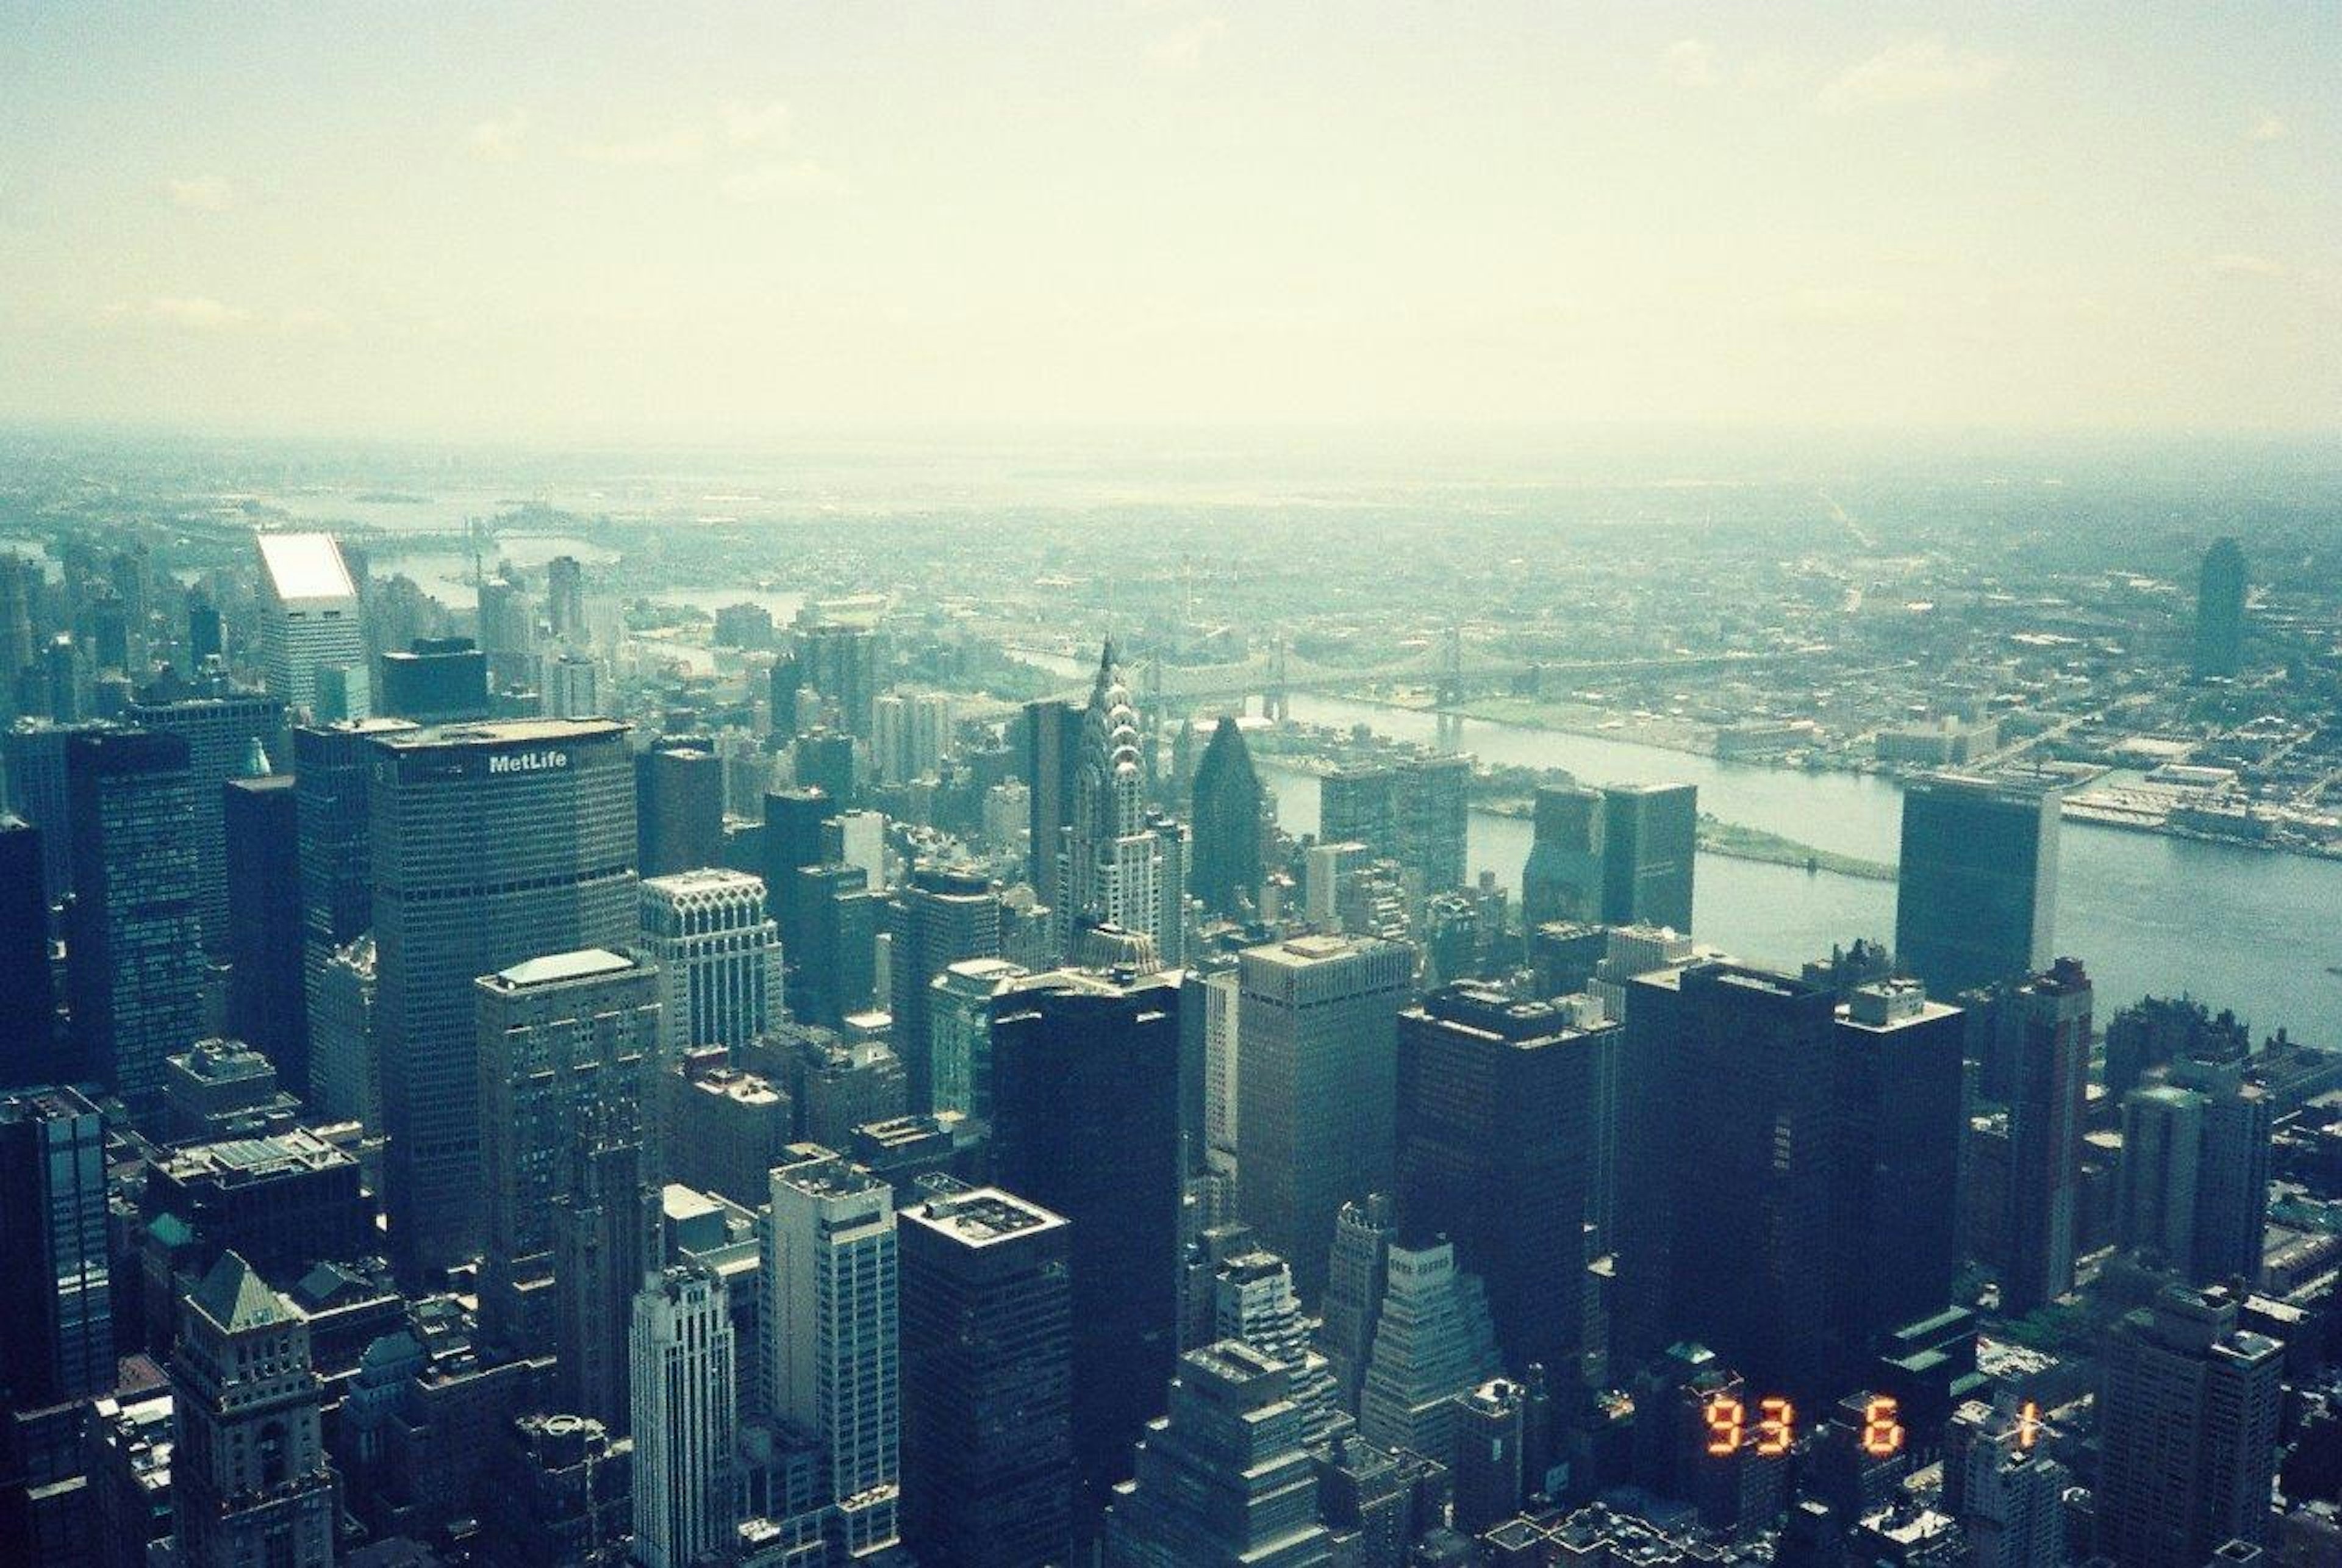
pixel 1272 702
pixel 1447 692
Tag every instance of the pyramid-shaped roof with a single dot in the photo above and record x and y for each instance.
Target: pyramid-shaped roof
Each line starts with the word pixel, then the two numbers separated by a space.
pixel 236 1298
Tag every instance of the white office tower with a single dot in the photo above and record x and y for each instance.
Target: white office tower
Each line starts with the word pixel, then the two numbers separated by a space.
pixel 1222 990
pixel 311 617
pixel 1433 1340
pixel 344 1067
pixel 831 1350
pixel 911 732
pixel 718 953
pixel 681 1353
pixel 1253 1300
pixel 862 839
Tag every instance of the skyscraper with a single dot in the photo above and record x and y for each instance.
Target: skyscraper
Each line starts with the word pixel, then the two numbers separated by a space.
pixel 2232 1170
pixel 1357 1273
pixel 1317 1077
pixel 832 1352
pixel 1898 1089
pixel 1228 797
pixel 1222 1480
pixel 2044 1026
pixel 492 843
pixel 1253 1300
pixel 565 599
pixel 683 1352
pixel 1110 863
pixel 1086 1123
pixel 2155 1210
pixel 29 1036
pixel 959 1032
pixel 941 917
pixel 1735 1175
pixel 311 618
pixel 1433 1341
pixel 267 1005
pixel 250 1482
pixel 839 661
pixel 830 967
pixel 436 681
pixel 2220 610
pixel 1052 731
pixel 1976 896
pixel 1563 878
pixel 133 974
pixel 987 1381
pixel 1496 1104
pixel 2187 1424
pixel 913 731
pixel 604 1224
pixel 719 954
pixel 679 806
pixel 1414 811
pixel 567 1045
pixel 221 733
pixel 331 767
pixel 55 1281
pixel 1651 842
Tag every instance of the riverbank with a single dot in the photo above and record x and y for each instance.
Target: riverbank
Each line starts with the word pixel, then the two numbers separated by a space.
pixel 1737 841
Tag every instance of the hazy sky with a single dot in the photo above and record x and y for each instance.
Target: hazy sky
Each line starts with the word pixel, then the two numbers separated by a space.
pixel 683 219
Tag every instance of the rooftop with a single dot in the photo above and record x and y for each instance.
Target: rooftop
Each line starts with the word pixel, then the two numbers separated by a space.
pixel 983 1216
pixel 305 567
pixel 557 968
pixel 499 733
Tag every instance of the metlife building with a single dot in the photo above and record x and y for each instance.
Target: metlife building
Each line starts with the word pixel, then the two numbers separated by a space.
pixel 492 843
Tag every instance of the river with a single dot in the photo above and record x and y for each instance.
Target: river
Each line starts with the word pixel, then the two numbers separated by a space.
pixel 2234 928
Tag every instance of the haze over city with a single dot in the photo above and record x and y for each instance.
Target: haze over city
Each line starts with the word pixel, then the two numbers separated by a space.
pixel 609 221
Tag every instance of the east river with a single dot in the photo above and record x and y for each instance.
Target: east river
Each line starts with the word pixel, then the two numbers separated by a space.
pixel 2233 927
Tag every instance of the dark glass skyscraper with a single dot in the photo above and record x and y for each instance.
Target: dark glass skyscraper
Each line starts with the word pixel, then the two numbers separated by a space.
pixel 1650 843
pixel 987 1381
pixel 1496 1138
pixel 840 663
pixel 134 936
pixel 2220 610
pixel 1225 871
pixel 1726 1236
pixel 1563 879
pixel 679 806
pixel 266 1008
pixel 1897 1080
pixel 1052 749
pixel 55 1285
pixel 492 843
pixel 1977 896
pixel 1086 1123
pixel 28 1015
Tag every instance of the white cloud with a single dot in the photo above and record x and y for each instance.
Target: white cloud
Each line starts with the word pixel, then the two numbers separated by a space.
pixel 2240 264
pixel 498 141
pixel 1916 71
pixel 773 182
pixel 1690 63
pixel 752 124
pixel 2266 127
pixel 1181 49
pixel 202 193
pixel 192 313
pixel 685 145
